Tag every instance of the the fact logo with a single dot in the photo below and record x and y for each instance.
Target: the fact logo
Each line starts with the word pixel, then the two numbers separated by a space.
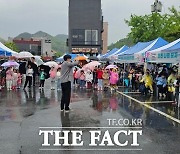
pixel 95 137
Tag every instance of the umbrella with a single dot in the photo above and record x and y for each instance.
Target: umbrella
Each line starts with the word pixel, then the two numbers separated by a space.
pixel 38 60
pixel 111 66
pixel 60 59
pixel 24 54
pixel 51 64
pixel 91 65
pixel 80 58
pixel 93 58
pixel 46 70
pixel 10 63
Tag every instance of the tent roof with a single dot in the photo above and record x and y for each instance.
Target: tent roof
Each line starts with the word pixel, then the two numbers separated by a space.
pixel 138 47
pixel 159 42
pixel 4 52
pixel 122 49
pixel 175 45
pixel 109 53
pixel 8 50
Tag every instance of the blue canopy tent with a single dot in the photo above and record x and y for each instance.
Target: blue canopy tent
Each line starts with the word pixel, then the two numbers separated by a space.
pixel 121 50
pixel 157 43
pixel 8 52
pixel 109 53
pixel 169 53
pixel 137 53
pixel 114 56
pixel 5 53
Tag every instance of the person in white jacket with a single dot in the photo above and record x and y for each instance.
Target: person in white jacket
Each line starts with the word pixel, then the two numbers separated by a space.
pixel 89 78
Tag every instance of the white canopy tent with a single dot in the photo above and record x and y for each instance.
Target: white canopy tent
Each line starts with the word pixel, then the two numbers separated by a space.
pixel 169 53
pixel 7 49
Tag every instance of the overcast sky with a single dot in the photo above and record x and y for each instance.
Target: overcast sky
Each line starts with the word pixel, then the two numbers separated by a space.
pixel 51 16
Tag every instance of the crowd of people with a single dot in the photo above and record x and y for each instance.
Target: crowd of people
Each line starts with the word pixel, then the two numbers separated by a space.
pixel 159 80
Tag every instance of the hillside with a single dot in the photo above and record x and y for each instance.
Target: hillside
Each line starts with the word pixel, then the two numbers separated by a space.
pixel 120 43
pixel 58 41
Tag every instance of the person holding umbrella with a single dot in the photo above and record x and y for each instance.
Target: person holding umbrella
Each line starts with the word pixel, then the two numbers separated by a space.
pixel 35 69
pixel 66 77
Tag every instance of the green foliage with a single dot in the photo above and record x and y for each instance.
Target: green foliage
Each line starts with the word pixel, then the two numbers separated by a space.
pixel 12 46
pixel 58 54
pixel 149 27
pixel 120 43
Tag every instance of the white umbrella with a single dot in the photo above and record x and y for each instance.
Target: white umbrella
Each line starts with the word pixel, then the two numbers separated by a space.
pixel 25 54
pixel 38 60
pixel 51 64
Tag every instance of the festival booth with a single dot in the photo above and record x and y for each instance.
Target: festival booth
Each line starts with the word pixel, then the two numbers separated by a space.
pixel 128 55
pixel 136 54
pixel 114 56
pixel 9 52
pixel 4 53
pixel 111 52
pixel 169 53
pixel 141 55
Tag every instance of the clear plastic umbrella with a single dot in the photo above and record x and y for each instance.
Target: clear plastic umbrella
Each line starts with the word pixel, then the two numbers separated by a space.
pixel 24 54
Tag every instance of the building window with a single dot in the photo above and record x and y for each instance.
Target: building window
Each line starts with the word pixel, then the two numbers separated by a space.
pixel 91 37
pixel 84 37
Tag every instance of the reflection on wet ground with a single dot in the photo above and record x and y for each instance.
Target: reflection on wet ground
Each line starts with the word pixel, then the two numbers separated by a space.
pixel 89 109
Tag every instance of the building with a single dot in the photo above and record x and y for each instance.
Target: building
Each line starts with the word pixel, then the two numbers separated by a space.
pixel 105 38
pixel 85 26
pixel 37 46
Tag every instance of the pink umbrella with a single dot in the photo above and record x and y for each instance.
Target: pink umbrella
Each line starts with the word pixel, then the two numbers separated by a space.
pixel 111 66
pixel 10 63
pixel 91 65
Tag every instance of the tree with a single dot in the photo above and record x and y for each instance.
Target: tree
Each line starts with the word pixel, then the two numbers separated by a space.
pixel 58 54
pixel 12 46
pixel 149 27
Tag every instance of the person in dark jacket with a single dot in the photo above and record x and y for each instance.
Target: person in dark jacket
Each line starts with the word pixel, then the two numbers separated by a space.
pixel 35 69
pixel 66 78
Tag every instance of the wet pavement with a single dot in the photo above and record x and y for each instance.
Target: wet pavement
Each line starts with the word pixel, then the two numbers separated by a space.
pixel 24 113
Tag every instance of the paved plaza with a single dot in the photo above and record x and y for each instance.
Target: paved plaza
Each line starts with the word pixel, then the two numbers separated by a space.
pixel 24 113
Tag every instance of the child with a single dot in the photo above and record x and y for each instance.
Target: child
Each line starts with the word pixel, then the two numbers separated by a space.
pixel 89 78
pixel 100 79
pixel 15 78
pixel 58 74
pixel 82 79
pixel 52 77
pixel 9 78
pixel 113 79
pixel 75 82
pixel 105 77
pixel 19 80
pixel 42 77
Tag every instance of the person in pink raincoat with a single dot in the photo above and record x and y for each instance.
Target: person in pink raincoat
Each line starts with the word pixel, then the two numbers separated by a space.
pixel 53 73
pixel 9 78
pixel 114 77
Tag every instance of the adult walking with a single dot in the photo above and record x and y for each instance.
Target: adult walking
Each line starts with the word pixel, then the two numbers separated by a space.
pixel 66 78
pixel 29 76
pixel 35 70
